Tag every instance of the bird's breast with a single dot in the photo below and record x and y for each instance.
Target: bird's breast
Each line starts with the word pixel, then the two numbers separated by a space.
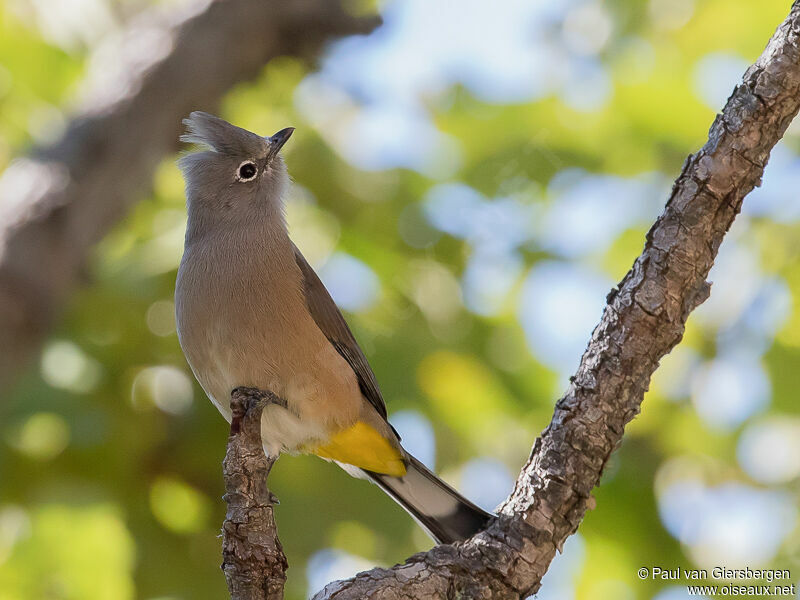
pixel 246 323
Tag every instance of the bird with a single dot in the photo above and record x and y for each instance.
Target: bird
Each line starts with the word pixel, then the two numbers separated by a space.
pixel 251 312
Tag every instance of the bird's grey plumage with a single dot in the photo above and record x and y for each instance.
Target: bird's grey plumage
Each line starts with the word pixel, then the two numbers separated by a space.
pixel 252 312
pixel 220 136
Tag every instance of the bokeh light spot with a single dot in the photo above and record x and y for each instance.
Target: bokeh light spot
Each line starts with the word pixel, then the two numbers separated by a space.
pixel 353 537
pixel 486 481
pixel 722 523
pixel 671 14
pixel 715 76
pixel 79 553
pixel 769 451
pixel 417 434
pixel 178 506
pixel 42 436
pixel 559 306
pixel 728 390
pixel 66 366
pixel 15 524
pixel 351 283
pixel 331 564
pixel 160 318
pixel 164 386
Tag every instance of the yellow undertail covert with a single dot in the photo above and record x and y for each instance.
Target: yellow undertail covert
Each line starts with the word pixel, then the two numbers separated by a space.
pixel 363 447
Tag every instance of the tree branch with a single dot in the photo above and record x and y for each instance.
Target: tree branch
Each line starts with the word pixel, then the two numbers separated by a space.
pixel 60 201
pixel 643 320
pixel 252 556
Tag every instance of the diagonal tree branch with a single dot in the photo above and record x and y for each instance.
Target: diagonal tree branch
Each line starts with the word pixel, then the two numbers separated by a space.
pixel 60 201
pixel 643 320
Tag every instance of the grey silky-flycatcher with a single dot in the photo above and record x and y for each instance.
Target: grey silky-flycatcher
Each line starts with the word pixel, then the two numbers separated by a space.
pixel 251 312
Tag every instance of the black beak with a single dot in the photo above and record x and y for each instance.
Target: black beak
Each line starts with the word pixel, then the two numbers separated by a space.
pixel 277 141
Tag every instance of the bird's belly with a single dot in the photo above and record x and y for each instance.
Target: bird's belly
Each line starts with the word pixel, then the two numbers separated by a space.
pixel 293 361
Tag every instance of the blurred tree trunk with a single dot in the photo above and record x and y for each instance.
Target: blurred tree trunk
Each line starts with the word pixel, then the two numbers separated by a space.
pixel 61 200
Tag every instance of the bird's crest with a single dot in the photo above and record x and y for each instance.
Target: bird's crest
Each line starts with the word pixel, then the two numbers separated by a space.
pixel 220 136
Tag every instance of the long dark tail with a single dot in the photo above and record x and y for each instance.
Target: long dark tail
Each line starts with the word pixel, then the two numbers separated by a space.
pixel 444 513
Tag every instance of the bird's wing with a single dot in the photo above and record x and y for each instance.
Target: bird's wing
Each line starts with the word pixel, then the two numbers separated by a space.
pixel 331 322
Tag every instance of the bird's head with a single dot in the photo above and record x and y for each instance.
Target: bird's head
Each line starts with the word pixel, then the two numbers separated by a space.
pixel 238 176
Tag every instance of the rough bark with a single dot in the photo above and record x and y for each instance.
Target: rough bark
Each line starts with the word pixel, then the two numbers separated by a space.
pixel 252 556
pixel 60 201
pixel 643 320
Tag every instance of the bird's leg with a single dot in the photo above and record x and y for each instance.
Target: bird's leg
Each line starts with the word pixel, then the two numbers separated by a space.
pixel 245 400
pixel 262 396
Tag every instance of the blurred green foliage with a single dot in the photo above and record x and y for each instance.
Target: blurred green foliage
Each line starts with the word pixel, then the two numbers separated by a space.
pixel 110 455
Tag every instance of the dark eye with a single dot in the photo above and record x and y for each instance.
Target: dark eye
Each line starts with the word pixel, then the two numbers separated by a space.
pixel 247 170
